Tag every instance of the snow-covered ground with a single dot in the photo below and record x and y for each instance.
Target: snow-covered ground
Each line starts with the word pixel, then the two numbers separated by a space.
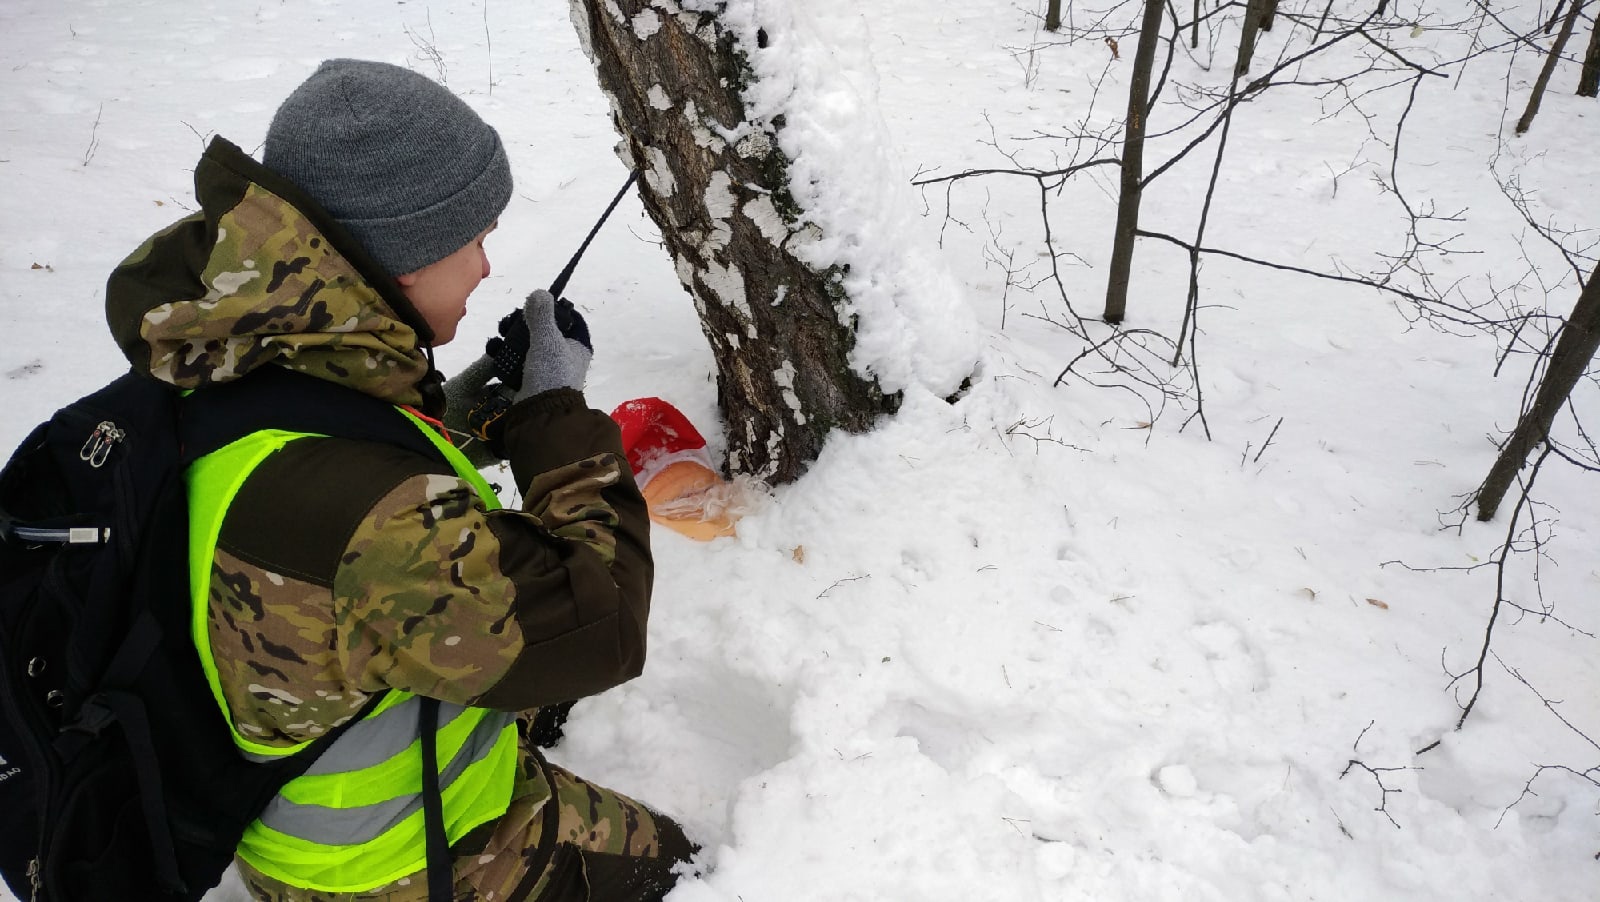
pixel 1025 646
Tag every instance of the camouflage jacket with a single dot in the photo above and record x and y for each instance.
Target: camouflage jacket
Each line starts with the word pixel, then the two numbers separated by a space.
pixel 347 567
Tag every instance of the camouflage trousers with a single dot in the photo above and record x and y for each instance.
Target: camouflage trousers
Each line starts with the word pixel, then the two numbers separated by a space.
pixel 563 839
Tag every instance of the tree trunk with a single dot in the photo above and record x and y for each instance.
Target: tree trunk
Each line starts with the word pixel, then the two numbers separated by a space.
pixel 1316 36
pixel 726 215
pixel 1549 66
pixel 1580 339
pixel 1247 37
pixel 1555 16
pixel 1269 14
pixel 1132 163
pixel 1052 16
pixel 1589 81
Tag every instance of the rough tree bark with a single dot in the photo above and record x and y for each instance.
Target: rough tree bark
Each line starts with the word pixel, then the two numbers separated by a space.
pixel 1052 16
pixel 1589 81
pixel 1132 164
pixel 1550 61
pixel 1580 339
pixel 716 185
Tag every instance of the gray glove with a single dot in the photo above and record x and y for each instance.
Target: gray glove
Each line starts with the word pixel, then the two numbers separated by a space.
pixel 543 346
pixel 464 393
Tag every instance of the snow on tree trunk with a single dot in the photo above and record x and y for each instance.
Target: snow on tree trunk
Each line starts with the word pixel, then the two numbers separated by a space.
pixel 717 184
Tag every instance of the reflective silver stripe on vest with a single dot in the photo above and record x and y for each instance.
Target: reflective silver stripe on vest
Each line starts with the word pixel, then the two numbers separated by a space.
pixel 378 738
pixel 348 826
pixel 373 741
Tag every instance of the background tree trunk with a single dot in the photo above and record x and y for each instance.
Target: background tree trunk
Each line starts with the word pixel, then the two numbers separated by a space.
pixel 1269 14
pixel 1589 81
pixel 1555 16
pixel 1316 36
pixel 1052 16
pixel 1247 37
pixel 1580 339
pixel 1549 66
pixel 1132 164
pixel 727 217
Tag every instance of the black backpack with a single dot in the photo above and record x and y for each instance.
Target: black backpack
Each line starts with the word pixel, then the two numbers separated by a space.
pixel 118 775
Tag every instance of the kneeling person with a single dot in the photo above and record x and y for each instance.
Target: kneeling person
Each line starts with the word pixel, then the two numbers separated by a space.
pixel 334 570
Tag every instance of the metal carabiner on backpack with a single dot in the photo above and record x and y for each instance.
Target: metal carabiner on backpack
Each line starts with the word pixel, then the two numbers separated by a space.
pixel 100 442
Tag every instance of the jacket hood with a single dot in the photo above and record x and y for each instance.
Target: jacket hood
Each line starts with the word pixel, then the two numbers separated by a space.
pixel 262 275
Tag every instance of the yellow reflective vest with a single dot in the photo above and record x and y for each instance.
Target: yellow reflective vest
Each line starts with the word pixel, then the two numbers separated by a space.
pixel 354 820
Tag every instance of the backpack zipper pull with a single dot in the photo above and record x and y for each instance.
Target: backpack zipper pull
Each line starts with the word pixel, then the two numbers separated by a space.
pixel 98 446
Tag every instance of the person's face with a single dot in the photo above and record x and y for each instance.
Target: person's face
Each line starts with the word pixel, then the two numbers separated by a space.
pixel 439 290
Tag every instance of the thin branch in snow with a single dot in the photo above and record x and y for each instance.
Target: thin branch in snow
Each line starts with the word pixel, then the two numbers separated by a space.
pixel 205 139
pixel 1476 670
pixel 94 132
pixel 488 42
pixel 838 583
pixel 1384 790
pixel 1268 443
pixel 1590 776
pixel 1549 704
pixel 428 50
pixel 1357 744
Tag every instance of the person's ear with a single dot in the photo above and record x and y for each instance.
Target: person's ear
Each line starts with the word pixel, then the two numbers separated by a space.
pixel 407 280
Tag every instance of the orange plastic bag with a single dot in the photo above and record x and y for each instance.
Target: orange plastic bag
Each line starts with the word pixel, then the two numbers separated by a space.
pixel 674 470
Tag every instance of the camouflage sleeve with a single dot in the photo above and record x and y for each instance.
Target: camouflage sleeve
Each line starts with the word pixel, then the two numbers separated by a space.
pixel 505 609
pixel 579 554
pixel 419 602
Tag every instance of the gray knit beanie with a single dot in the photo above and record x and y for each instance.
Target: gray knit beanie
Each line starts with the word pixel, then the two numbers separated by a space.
pixel 396 158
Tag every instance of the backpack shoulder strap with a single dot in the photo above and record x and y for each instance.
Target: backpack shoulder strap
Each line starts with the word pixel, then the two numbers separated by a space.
pixel 276 398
